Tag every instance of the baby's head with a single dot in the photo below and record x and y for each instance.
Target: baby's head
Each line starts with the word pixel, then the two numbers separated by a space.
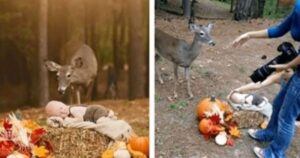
pixel 236 97
pixel 57 108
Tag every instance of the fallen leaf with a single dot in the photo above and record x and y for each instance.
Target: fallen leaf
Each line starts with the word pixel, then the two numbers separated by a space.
pixel 230 141
pixel 215 119
pixel 234 131
pixel 37 134
pixel 6 148
pixel 7 125
pixel 40 151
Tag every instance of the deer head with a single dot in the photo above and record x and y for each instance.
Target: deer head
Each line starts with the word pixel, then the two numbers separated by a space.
pixel 202 33
pixel 64 73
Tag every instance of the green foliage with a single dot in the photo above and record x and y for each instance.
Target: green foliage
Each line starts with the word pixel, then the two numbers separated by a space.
pixel 178 105
pixel 271 12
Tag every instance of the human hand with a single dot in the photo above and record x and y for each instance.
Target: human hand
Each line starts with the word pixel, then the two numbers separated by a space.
pixel 239 41
pixel 279 67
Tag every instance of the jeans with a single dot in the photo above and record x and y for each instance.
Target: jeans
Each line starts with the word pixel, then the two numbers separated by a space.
pixel 281 127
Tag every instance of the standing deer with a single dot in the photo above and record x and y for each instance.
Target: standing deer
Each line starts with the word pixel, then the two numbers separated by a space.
pixel 79 70
pixel 181 53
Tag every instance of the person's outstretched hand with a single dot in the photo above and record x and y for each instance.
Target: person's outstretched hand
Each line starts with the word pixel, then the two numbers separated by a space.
pixel 279 67
pixel 239 41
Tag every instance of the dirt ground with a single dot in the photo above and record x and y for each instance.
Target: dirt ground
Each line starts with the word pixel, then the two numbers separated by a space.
pixel 216 71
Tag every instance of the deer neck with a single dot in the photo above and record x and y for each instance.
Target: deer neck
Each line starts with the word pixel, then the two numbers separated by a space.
pixel 195 46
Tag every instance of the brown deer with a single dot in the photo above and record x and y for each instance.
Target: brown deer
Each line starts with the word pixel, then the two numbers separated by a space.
pixel 181 53
pixel 79 70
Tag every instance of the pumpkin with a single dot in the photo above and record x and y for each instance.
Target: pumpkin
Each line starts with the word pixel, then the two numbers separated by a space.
pixel 207 104
pixel 140 144
pixel 206 126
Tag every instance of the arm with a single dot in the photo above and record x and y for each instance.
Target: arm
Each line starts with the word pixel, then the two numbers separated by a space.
pixel 275 77
pixel 291 64
pixel 248 35
pixel 282 28
pixel 272 32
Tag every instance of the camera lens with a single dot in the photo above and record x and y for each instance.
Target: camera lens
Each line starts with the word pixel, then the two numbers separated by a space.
pixel 288 53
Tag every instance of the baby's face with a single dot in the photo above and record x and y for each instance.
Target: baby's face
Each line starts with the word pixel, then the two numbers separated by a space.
pixel 56 108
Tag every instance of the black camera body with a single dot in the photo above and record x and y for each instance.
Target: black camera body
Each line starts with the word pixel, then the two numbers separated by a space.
pixel 288 53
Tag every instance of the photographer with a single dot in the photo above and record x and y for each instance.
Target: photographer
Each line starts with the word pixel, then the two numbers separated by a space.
pixel 286 105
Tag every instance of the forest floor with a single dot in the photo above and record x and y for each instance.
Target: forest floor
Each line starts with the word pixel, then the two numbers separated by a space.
pixel 216 71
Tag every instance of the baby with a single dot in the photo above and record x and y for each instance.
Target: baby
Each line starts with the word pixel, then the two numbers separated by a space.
pixel 97 117
pixel 91 113
pixel 252 102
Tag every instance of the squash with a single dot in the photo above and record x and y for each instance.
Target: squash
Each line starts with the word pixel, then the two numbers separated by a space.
pixel 207 104
pixel 140 144
pixel 206 126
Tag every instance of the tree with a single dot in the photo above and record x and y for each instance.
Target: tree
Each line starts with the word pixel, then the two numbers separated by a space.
pixel 43 52
pixel 246 9
pixel 136 54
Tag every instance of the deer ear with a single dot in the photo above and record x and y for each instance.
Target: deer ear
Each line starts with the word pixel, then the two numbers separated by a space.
pixel 210 26
pixel 52 66
pixel 193 27
pixel 78 62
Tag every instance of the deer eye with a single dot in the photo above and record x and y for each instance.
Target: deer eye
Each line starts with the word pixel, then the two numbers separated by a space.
pixel 68 75
pixel 201 33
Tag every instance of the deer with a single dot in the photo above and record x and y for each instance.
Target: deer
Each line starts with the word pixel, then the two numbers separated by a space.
pixel 180 52
pixel 79 70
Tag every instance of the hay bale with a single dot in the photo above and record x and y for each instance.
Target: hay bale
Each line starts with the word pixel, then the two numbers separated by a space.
pixel 248 119
pixel 76 143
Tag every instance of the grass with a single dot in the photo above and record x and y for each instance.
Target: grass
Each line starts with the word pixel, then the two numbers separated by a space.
pixel 178 105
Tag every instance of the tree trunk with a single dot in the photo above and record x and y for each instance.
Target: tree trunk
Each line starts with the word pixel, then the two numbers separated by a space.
pixel 261 6
pixel 187 8
pixel 243 10
pixel 232 5
pixel 136 55
pixel 43 47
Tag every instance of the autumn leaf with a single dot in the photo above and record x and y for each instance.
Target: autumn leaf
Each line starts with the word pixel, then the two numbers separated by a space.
pixel 235 132
pixel 37 134
pixel 230 141
pixel 215 119
pixel 24 151
pixel 48 145
pixel 207 136
pixel 40 152
pixel 30 124
pixel 7 125
pixel 228 117
pixel 6 148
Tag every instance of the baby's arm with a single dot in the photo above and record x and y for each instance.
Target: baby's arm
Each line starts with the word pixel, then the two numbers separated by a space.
pixel 273 78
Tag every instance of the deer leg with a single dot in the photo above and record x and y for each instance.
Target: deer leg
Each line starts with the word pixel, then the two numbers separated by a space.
pixel 90 90
pixel 176 80
pixel 187 76
pixel 78 95
pixel 71 95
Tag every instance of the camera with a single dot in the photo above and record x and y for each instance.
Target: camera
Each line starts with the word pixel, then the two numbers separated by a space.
pixel 288 53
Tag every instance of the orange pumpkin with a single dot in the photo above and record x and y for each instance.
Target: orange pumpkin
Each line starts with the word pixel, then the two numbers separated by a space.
pixel 206 126
pixel 140 144
pixel 207 104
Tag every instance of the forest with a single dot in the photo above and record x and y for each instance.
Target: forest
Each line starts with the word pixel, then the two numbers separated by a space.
pixel 32 32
